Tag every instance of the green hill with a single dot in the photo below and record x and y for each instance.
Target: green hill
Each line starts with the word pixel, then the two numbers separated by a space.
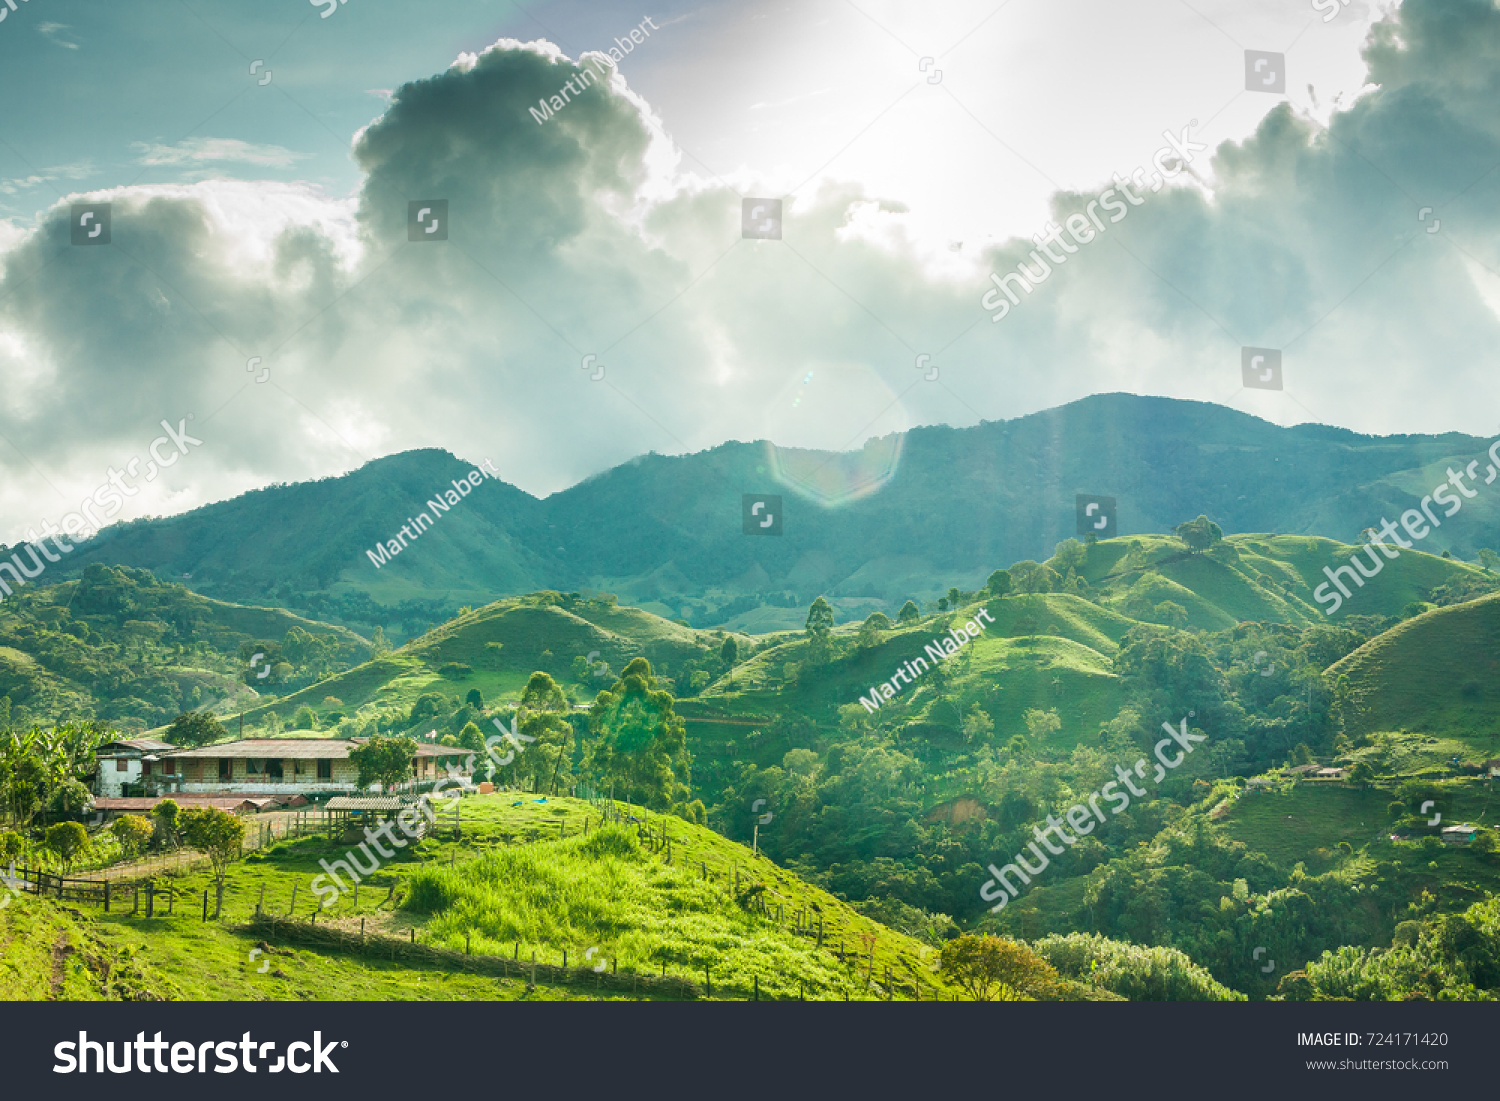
pixel 129 650
pixel 1437 672
pixel 495 649
pixel 666 532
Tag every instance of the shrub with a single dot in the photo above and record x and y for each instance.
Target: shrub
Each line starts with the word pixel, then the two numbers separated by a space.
pixel 67 841
pixel 12 845
pixel 133 833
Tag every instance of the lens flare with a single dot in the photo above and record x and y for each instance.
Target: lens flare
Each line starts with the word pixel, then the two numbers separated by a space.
pixel 847 403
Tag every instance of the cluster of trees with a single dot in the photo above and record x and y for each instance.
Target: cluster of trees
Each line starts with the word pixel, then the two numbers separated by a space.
pixel 632 741
pixel 44 774
pixel 127 649
pixel 1447 957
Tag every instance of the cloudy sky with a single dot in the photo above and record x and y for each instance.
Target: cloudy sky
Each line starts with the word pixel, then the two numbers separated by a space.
pixel 260 158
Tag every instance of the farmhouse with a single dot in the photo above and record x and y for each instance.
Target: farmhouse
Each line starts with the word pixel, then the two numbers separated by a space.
pixel 122 763
pixel 284 766
pixel 1459 835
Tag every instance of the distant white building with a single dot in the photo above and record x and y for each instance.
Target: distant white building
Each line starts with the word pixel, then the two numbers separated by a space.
pixel 1460 834
pixel 124 762
pixel 283 766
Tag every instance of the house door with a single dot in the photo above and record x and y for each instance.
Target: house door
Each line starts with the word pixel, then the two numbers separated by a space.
pixel 226 769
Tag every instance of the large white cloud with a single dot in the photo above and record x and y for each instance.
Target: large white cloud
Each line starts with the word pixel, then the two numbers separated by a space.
pixel 586 235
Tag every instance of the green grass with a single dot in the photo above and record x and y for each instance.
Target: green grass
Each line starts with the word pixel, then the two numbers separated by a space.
pixel 1289 826
pixel 540 892
pixel 1439 671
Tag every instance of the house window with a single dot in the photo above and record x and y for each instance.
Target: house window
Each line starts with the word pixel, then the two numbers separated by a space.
pixel 145 768
pixel 226 769
pixel 325 770
pixel 274 770
pixel 169 768
pixel 254 766
pixel 120 765
pixel 297 769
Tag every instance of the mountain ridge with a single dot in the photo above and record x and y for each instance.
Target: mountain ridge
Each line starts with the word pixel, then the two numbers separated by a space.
pixel 951 504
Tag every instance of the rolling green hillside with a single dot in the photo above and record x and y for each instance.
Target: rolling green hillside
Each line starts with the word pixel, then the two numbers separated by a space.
pixel 1437 672
pixel 665 532
pixel 495 649
pixel 124 648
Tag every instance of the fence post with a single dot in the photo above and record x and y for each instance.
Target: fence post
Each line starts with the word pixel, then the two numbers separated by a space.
pixel 708 982
pixel 757 988
pixel 171 898
pixel 135 899
pixel 362 932
pixel 293 910
pixel 106 896
pixel 532 985
pixel 150 899
pixel 259 901
pixel 205 904
pixel 820 930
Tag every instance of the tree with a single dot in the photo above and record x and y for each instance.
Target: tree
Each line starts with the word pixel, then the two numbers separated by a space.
pixel 164 817
pixel 638 741
pixel 305 718
pixel 1070 555
pixel 133 833
pixel 218 835
pixel 998 584
pixel 1361 775
pixel 475 699
pixel 1199 534
pixel 729 653
pixel 67 841
pixel 541 722
pixel 1489 560
pixel 978 725
pixel 1170 613
pixel 379 644
pixel 471 737
pixel 386 761
pixel 195 728
pixel 429 705
pixel 870 630
pixel 1041 725
pixel 819 619
pixel 909 613
pixel 955 598
pixel 986 966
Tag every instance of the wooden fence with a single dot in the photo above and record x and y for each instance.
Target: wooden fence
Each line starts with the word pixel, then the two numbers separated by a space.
pixel 141 896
